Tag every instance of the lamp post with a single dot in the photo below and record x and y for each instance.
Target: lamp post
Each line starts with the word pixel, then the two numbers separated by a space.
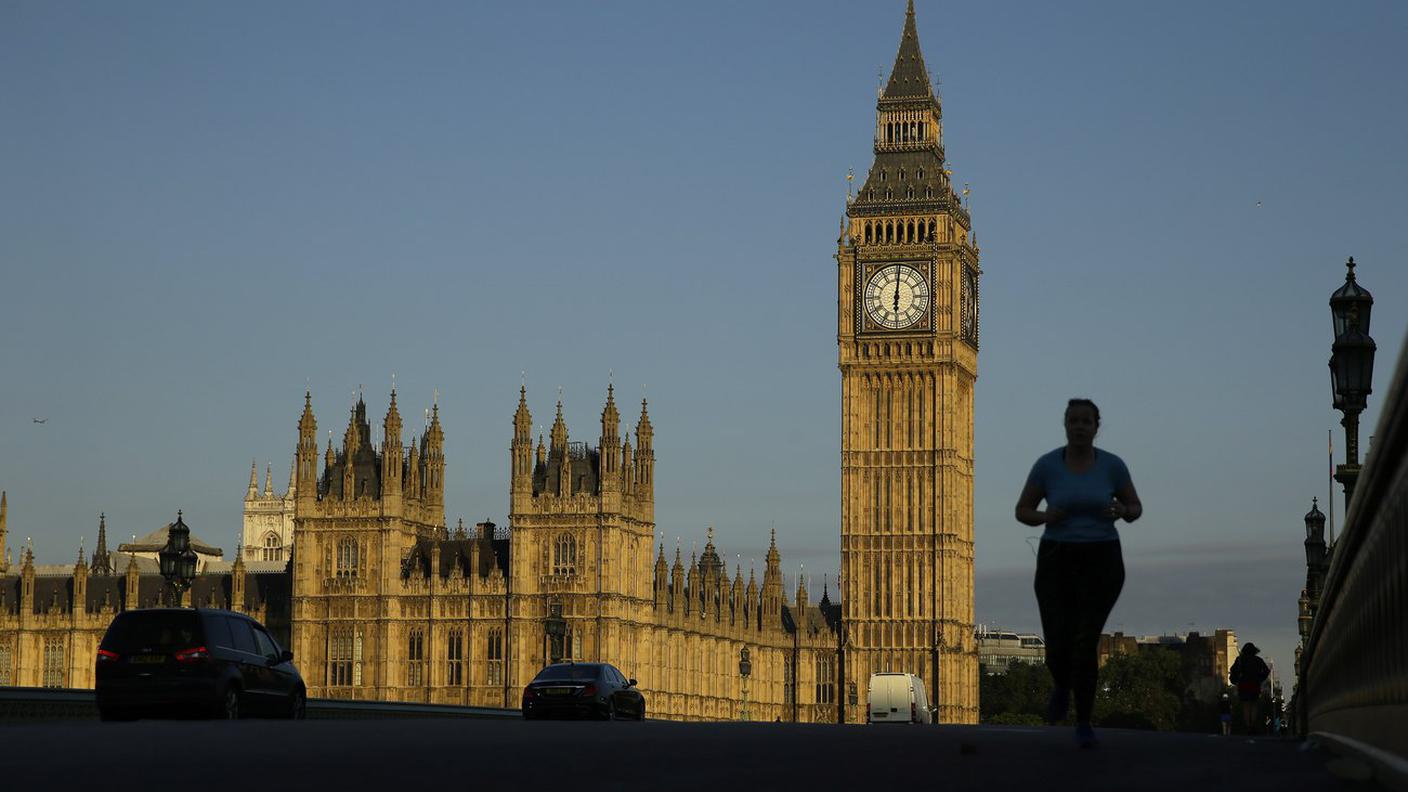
pixel 745 670
pixel 178 560
pixel 1351 369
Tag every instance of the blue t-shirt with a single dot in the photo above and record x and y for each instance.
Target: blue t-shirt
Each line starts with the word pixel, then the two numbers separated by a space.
pixel 1082 496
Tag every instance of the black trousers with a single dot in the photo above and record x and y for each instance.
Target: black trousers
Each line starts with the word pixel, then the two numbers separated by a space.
pixel 1077 584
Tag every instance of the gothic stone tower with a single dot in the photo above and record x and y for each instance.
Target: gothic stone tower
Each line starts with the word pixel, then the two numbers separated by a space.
pixel 353 528
pixel 908 338
pixel 583 523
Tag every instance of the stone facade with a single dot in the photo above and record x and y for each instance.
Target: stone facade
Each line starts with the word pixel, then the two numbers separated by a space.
pixel 267 533
pixel 380 600
pixel 908 353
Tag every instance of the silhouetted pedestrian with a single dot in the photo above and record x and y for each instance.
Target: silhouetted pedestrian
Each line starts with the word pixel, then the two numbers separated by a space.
pixel 1079 568
pixel 1224 714
pixel 1248 673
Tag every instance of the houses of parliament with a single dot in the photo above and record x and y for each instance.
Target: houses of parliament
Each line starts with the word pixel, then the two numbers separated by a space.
pixel 357 570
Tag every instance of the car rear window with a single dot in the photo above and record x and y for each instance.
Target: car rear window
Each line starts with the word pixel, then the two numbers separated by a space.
pixel 568 673
pixel 156 630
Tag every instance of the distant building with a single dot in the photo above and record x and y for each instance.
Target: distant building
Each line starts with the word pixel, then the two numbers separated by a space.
pixel 268 518
pixel 998 649
pixel 1205 659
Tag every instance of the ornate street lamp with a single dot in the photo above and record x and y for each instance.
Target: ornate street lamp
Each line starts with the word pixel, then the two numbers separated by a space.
pixel 1351 369
pixel 178 560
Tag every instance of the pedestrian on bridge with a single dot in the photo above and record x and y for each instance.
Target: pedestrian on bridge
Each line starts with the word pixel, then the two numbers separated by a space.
pixel 1249 673
pixel 1079 568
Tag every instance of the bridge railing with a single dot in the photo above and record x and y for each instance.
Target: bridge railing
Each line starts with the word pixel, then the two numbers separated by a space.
pixel 70 704
pixel 1354 670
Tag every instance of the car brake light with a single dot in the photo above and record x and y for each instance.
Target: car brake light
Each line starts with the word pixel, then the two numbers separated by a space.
pixel 589 690
pixel 104 656
pixel 192 655
pixel 913 711
pixel 528 694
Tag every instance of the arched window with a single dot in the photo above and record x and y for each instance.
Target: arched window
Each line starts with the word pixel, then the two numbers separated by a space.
pixel 273 547
pixel 494 654
pixel 415 658
pixel 454 656
pixel 564 555
pixel 347 558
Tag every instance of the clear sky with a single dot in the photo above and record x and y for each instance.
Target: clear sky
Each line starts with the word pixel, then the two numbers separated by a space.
pixel 206 207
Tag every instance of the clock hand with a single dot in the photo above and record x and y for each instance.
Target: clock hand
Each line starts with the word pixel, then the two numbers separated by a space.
pixel 897 298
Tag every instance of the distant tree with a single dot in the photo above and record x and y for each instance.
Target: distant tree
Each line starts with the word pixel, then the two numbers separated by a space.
pixel 1144 690
pixel 1015 697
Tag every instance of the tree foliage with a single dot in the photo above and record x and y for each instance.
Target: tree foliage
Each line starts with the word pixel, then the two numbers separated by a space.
pixel 1144 690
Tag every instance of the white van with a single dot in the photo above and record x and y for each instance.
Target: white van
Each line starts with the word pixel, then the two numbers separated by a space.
pixel 898 698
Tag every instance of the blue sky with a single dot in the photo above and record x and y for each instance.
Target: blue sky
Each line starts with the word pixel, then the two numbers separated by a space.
pixel 205 207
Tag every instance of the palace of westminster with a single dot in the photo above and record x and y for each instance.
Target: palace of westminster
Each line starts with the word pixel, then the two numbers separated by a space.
pixel 354 567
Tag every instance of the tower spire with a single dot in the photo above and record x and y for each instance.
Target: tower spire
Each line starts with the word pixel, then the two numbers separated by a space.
pixel 909 79
pixel 102 562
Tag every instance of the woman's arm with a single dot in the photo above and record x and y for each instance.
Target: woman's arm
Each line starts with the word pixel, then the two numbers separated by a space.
pixel 1027 512
pixel 1126 504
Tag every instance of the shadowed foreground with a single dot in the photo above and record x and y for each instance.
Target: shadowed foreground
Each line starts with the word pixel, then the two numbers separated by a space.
pixel 381 754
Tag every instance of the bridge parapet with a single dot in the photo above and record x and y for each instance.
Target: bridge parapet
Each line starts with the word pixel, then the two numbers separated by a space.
pixel 1354 671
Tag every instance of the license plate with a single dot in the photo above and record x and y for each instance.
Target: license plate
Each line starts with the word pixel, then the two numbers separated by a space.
pixel 148 659
pixel 556 691
pixel 880 714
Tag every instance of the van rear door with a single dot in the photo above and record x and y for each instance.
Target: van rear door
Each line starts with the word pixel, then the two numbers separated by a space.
pixel 889 698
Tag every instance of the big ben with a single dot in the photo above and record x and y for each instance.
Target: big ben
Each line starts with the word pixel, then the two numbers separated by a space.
pixel 907 312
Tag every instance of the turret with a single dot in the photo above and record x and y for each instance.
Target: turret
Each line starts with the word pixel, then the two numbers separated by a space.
pixel 521 449
pixel 391 462
pixel 131 583
pixel 27 583
pixel 645 454
pixel 735 596
pixel 102 562
pixel 269 481
pixel 413 487
pixel 237 584
pixel 677 583
pixel 306 454
pixel 662 580
pixel 610 438
pixel 628 467
pixel 692 586
pixel 434 453
pixel 559 454
pixel 292 491
pixel 253 491
pixel 772 586
pixel 802 598
pixel 80 583
pixel 750 600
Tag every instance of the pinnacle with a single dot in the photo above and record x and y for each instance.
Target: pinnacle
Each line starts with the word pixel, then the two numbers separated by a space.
pixel 909 79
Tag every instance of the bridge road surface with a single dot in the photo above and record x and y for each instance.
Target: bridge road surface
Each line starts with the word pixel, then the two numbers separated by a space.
pixel 409 755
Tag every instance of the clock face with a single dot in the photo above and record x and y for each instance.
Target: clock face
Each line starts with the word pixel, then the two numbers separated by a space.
pixel 896 297
pixel 970 306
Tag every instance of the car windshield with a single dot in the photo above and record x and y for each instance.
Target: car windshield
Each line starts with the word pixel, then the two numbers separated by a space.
pixel 153 630
pixel 568 673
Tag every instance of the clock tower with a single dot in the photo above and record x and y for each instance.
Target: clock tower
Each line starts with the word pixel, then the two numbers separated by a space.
pixel 907 312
